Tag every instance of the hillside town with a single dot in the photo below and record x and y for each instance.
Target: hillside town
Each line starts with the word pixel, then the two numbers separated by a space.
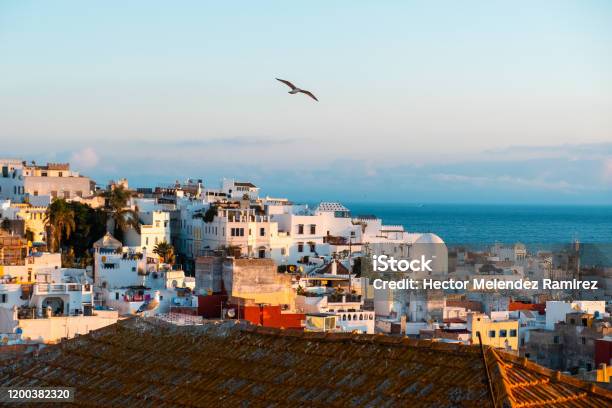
pixel 78 258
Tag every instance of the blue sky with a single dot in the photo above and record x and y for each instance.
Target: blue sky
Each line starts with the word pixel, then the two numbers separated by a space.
pixel 472 101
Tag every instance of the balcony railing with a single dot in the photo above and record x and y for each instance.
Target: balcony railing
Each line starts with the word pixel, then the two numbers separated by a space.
pixel 61 288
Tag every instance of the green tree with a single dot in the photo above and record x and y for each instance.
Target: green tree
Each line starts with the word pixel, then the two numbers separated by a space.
pixel 90 225
pixel 123 217
pixel 165 252
pixel 60 219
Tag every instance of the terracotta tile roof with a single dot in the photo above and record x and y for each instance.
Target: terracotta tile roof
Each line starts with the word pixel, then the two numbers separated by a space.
pixel 144 362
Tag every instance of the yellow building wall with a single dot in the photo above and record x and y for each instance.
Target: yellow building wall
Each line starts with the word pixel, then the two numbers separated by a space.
pixel 282 297
pixel 485 326
pixel 34 218
pixel 604 373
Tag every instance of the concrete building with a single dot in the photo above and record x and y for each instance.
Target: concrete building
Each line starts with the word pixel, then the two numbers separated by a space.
pixel 13 249
pixel 257 281
pixel 239 189
pixel 347 309
pixel 32 216
pixel 154 222
pixel 556 311
pixel 572 341
pixel 12 185
pixel 502 334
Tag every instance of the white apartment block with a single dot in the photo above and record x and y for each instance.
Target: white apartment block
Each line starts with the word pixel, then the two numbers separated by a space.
pixel 154 225
pixel 18 179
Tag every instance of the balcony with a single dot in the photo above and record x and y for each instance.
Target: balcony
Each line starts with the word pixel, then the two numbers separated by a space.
pixel 56 288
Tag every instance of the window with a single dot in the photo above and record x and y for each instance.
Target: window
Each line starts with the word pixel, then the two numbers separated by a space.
pixel 556 340
pixel 237 232
pixel 512 332
pixel 300 247
pixel 503 333
pixel 300 229
pixel 147 241
pixel 313 229
pixel 116 295
pixel 283 251
pixel 492 333
pixel 262 232
pixel 312 246
pixel 583 340
pixel 60 174
pixel 3 298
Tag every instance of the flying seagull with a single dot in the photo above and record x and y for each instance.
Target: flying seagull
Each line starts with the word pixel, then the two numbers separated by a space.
pixel 295 89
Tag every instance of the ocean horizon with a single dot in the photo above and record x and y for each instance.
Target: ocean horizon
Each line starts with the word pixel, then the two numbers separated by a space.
pixel 489 223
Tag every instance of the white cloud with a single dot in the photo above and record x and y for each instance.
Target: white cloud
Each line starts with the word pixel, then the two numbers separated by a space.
pixel 85 158
pixel 537 183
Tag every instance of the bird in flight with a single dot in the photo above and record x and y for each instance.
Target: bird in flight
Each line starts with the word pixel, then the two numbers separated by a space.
pixel 295 89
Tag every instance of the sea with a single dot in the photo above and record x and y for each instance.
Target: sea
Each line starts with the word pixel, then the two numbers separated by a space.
pixel 482 224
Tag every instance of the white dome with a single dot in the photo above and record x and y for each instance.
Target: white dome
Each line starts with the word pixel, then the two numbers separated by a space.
pixel 429 238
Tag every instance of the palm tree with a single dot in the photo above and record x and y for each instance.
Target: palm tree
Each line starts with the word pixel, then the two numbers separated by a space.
pixel 123 217
pixel 60 219
pixel 165 252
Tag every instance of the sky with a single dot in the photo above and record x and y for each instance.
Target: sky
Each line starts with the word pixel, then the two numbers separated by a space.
pixel 419 101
